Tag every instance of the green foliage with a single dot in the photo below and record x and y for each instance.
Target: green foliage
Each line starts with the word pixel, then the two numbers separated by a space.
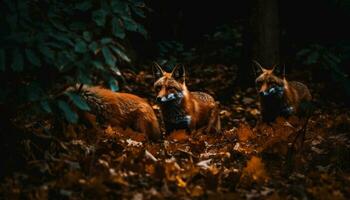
pixel 329 59
pixel 225 44
pixel 69 114
pixel 173 52
pixel 49 45
pixel 76 98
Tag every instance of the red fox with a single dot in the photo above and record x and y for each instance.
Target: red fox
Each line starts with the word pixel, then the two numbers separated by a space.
pixel 279 97
pixel 122 110
pixel 180 108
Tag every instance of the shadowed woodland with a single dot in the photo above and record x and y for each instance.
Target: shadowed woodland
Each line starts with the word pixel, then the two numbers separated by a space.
pixel 59 141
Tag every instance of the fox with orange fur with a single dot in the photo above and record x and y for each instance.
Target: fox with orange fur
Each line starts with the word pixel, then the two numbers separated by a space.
pixel 279 97
pixel 121 110
pixel 180 108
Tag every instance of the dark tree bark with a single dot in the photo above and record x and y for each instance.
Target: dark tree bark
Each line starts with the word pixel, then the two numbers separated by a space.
pixel 265 31
pixel 261 38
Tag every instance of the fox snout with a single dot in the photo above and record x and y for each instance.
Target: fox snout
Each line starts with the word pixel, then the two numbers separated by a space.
pixel 162 99
pixel 271 91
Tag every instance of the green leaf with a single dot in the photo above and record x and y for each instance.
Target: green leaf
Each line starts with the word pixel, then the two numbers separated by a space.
pixel 303 52
pixel 120 7
pixel 138 11
pixel 45 106
pixel 69 114
pixel 98 65
pixel 109 58
pixel 80 46
pixel 113 84
pixel 116 72
pixel 46 51
pixel 99 16
pixel 130 24
pixel 105 41
pixel 141 29
pixel 62 59
pixel 83 78
pixel 117 28
pixel 32 57
pixel 62 38
pixel 58 25
pixel 17 60
pixel 84 6
pixel 2 60
pixel 94 47
pixel 87 36
pixel 120 53
pixel 78 101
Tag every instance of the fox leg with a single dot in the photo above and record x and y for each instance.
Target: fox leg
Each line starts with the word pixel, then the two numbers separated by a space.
pixel 150 127
pixel 214 120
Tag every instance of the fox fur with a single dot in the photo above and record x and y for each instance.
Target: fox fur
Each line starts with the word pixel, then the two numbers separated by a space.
pixel 122 110
pixel 180 108
pixel 279 97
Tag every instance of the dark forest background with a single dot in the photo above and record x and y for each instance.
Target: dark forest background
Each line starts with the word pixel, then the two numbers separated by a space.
pixel 48 46
pixel 303 36
pixel 299 35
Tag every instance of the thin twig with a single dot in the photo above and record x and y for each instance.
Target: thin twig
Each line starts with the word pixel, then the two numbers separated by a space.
pixel 301 133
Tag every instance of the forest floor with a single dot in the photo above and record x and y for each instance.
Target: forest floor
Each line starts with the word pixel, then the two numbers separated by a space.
pixel 248 160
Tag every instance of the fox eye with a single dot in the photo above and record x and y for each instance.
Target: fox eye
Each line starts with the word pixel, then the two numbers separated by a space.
pixel 171 88
pixel 158 88
pixel 271 83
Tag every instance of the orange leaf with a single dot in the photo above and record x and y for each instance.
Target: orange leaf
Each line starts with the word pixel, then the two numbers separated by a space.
pixel 244 132
pixel 179 135
pixel 255 169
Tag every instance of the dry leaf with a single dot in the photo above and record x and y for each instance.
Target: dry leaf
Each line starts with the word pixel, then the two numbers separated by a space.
pixel 255 169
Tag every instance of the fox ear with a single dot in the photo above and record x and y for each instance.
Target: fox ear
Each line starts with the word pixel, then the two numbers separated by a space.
pixel 157 71
pixel 179 73
pixel 259 68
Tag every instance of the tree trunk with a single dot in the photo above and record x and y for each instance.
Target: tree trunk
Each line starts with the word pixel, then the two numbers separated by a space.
pixel 265 32
pixel 261 38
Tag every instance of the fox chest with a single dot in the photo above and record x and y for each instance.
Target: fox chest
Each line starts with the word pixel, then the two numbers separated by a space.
pixel 175 118
pixel 273 104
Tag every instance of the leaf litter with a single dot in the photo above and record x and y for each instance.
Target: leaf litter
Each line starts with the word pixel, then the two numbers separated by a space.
pixel 248 160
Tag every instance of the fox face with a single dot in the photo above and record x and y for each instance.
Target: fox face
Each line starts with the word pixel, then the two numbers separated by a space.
pixel 267 83
pixel 272 92
pixel 279 97
pixel 169 87
pixel 180 108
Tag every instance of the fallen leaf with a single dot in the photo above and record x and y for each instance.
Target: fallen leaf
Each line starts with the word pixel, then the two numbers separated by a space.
pixel 244 132
pixel 150 156
pixel 255 169
pixel 180 182
pixel 179 135
pixel 204 164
